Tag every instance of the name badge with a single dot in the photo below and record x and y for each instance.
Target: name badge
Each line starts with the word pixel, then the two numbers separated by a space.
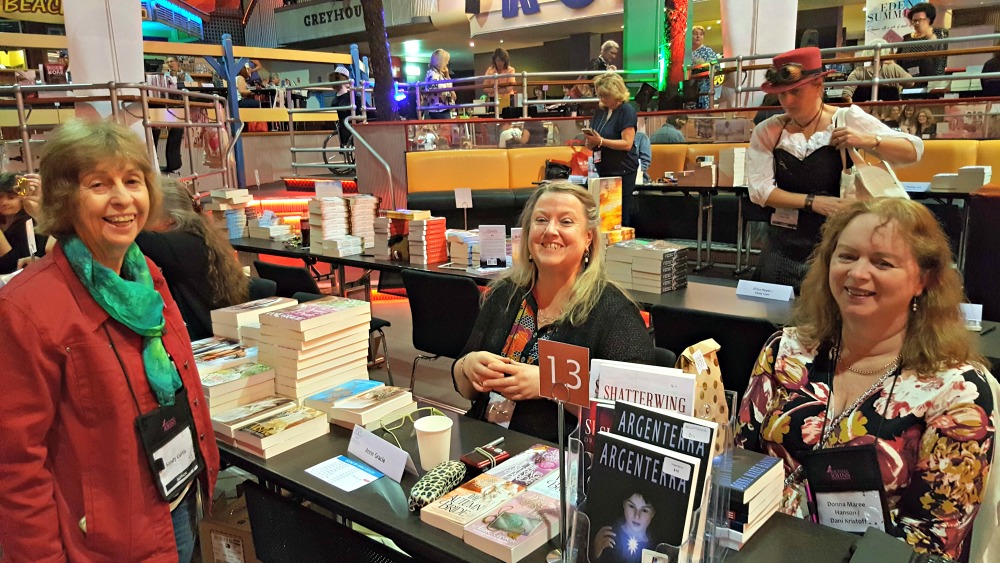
pixel 167 436
pixel 380 454
pixel 785 218
pixel 845 488
pixel 761 290
pixel 597 156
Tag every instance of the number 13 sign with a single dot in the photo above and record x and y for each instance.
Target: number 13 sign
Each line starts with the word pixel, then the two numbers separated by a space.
pixel 564 372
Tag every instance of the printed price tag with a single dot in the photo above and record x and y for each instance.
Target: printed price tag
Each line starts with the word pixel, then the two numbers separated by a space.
pixel 697 433
pixel 564 372
pixel 699 361
pixel 677 469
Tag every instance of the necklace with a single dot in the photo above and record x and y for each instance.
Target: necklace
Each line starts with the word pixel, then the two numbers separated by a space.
pixel 546 319
pixel 890 366
pixel 810 122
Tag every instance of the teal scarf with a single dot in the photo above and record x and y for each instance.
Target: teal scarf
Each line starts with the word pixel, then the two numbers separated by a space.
pixel 131 300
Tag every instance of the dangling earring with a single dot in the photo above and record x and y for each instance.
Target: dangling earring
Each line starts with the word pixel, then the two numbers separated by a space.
pixel 530 259
pixel 913 306
pixel 586 257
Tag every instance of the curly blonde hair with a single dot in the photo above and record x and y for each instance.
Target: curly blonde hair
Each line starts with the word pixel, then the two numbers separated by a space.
pixel 611 84
pixel 936 337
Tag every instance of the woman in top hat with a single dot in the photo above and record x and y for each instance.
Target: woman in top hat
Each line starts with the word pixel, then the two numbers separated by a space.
pixel 794 161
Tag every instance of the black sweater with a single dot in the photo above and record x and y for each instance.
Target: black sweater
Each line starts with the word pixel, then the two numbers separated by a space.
pixel 183 259
pixel 614 330
pixel 17 236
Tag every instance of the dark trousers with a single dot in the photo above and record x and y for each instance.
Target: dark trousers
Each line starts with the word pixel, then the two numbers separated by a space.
pixel 174 137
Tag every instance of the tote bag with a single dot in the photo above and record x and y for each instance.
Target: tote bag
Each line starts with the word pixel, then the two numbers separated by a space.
pixel 865 180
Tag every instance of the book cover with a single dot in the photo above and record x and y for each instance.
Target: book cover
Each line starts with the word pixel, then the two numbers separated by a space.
pixel 528 466
pixel 370 398
pixel 459 507
pixel 269 431
pixel 234 378
pixel 248 312
pixel 644 497
pixel 309 432
pixel 227 422
pixel 324 400
pixel 383 420
pixel 316 313
pixel 752 472
pixel 599 417
pixel 382 402
pixel 608 194
pixel 514 530
pixel 214 354
pixel 653 386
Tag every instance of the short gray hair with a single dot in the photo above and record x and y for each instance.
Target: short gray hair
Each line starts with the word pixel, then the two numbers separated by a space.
pixel 609 45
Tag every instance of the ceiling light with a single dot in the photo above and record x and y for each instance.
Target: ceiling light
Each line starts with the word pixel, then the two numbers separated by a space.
pixel 708 28
pixel 718 21
pixel 472 43
pixel 411 47
pixel 501 41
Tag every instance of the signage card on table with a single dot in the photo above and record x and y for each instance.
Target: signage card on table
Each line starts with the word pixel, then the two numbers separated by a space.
pixel 463 198
pixel 761 290
pixel 329 188
pixel 564 372
pixel 492 246
pixel 380 454
pixel 344 473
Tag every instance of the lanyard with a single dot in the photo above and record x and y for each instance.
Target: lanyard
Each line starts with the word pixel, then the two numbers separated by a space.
pixel 607 118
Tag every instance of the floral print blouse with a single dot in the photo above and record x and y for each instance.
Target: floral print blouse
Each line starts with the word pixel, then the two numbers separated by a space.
pixel 934 442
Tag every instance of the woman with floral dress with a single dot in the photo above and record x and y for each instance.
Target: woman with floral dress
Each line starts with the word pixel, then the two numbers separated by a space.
pixel 701 54
pixel 879 356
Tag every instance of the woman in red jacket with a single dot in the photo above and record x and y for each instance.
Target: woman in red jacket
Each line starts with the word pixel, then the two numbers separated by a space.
pixel 106 441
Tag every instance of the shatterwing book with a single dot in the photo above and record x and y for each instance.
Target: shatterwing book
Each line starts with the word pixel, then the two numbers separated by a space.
pixel 651 386
pixel 457 508
pixel 226 423
pixel 511 531
pixel 528 466
pixel 644 494
pixel 325 400
pixel 371 405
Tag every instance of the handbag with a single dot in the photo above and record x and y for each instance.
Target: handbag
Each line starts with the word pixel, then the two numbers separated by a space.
pixel 865 180
pixel 578 162
pixel 557 170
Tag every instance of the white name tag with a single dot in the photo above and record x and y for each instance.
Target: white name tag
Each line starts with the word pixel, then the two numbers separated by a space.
pixel 380 454
pixel 785 218
pixel 178 459
pixel 761 290
pixel 853 511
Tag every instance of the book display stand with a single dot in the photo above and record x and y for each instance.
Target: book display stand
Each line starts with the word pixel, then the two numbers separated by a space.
pixel 701 543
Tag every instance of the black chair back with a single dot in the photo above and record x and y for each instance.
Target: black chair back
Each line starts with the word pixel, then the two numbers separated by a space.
pixel 261 288
pixel 290 279
pixel 740 338
pixel 664 358
pixel 444 310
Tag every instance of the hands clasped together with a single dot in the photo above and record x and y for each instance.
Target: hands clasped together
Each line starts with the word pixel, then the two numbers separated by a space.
pixel 491 372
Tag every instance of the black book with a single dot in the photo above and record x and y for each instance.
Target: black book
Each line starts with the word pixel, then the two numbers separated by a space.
pixel 640 493
pixel 752 472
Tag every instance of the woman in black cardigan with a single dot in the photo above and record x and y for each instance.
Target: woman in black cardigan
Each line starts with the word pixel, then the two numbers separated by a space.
pixel 557 290
pixel 14 244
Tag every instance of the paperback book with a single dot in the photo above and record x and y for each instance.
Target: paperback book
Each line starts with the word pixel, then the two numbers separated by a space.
pixel 459 507
pixel 280 427
pixel 514 530
pixel 325 400
pixel 653 386
pixel 226 423
pixel 528 466
pixel 235 378
pixel 214 354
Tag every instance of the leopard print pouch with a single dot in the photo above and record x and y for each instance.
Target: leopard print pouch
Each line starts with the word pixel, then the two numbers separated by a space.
pixel 435 483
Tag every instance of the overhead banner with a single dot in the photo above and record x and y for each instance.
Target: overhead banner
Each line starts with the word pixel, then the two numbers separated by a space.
pixel 42 11
pixel 502 15
pixel 887 20
pixel 319 20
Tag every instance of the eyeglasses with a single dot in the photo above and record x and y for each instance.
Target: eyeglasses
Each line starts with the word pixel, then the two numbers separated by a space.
pixel 790 72
pixel 397 424
pixel 915 21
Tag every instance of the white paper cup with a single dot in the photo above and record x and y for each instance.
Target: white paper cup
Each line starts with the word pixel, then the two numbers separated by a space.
pixel 433 440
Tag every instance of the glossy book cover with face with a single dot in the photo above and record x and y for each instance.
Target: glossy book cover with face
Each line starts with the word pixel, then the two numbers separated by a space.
pixel 516 528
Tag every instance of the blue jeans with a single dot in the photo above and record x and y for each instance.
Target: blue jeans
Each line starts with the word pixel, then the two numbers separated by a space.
pixel 185 522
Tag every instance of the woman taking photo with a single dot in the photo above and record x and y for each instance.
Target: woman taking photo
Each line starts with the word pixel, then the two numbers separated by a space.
pixel 94 349
pixel 14 218
pixel 557 290
pixel 435 96
pixel 794 161
pixel 196 260
pixel 611 136
pixel 879 355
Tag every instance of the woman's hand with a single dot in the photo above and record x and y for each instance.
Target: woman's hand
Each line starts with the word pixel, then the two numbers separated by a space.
pixel 482 367
pixel 32 202
pixel 827 205
pixel 26 261
pixel 521 383
pixel 604 539
pixel 846 137
pixel 592 139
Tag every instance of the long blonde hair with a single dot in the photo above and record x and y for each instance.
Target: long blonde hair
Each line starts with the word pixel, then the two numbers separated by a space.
pixel 225 275
pixel 590 281
pixel 936 337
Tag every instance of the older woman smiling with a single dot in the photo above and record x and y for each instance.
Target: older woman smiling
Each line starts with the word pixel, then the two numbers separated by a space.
pixel 94 349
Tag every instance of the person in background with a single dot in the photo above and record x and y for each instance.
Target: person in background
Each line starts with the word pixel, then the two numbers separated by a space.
pixel 175 135
pixel 513 133
pixel 769 101
pixel 63 59
pixel 908 119
pixel 888 70
pixel 922 17
pixel 926 124
pixel 606 60
pixel 794 161
pixel 196 260
pixel 14 218
pixel 557 290
pixel 670 133
pixel 32 202
pixel 247 99
pixel 611 136
pixel 344 99
pixel 701 56
pixel 879 355
pixel 991 87
pixel 504 87
pixel 436 95
pixel 91 341
pixel 644 152
pixel 538 93
pixel 254 80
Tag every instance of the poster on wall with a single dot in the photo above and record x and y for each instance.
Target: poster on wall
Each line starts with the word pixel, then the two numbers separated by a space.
pixel 886 20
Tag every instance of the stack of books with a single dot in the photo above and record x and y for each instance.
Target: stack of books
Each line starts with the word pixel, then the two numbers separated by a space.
pixel 409 214
pixel 507 512
pixel 364 402
pixel 316 345
pixel 463 247
pixel 216 353
pixel 383 232
pixel 232 387
pixel 227 209
pixel 654 266
pixel 339 246
pixel 223 200
pixel 263 229
pixel 226 423
pixel 733 167
pixel 229 322
pixel 615 236
pixel 427 241
pixel 758 485
pixel 327 219
pixel 281 431
pixel 363 209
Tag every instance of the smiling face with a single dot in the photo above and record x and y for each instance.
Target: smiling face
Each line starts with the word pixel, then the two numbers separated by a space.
pixel 112 209
pixel 638 514
pixel 10 204
pixel 873 274
pixel 908 112
pixel 559 234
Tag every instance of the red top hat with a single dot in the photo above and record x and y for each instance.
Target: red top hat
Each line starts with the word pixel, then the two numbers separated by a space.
pixel 794 68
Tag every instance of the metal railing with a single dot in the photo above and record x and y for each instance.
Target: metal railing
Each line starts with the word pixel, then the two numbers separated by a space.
pixel 325 150
pixel 119 95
